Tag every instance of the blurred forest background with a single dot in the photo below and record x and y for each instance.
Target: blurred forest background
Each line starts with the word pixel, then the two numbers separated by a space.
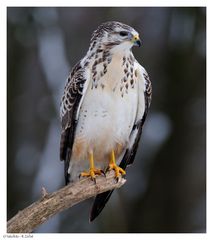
pixel 166 185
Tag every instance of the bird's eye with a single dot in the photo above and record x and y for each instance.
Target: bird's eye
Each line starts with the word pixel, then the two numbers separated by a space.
pixel 123 33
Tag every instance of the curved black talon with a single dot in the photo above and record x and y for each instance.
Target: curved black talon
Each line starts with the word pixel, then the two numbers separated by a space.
pixel 106 170
pixel 117 179
pixel 93 179
pixel 104 173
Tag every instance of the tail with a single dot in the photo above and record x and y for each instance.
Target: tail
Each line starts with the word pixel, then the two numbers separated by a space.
pixel 99 203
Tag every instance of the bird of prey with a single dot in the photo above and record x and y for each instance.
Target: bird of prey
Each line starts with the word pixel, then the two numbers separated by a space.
pixel 103 108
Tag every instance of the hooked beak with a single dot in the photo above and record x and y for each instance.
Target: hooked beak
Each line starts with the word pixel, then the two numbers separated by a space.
pixel 136 40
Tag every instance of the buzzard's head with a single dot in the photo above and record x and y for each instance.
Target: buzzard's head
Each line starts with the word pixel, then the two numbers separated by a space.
pixel 115 35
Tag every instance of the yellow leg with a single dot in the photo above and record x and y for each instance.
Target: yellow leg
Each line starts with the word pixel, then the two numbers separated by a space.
pixel 92 171
pixel 112 165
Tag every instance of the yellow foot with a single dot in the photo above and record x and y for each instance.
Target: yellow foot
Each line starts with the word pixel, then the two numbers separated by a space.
pixel 93 172
pixel 112 165
pixel 118 171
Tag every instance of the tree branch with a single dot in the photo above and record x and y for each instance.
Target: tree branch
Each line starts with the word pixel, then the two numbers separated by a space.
pixel 28 219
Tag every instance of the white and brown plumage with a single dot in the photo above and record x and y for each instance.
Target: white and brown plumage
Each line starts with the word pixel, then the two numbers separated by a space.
pixel 104 106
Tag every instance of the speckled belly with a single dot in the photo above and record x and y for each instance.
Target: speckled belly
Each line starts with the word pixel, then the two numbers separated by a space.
pixel 105 122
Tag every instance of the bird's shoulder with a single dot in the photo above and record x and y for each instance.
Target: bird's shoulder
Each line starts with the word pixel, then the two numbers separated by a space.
pixel 144 77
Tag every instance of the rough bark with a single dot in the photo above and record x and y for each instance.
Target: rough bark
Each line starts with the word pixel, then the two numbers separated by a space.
pixel 28 219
